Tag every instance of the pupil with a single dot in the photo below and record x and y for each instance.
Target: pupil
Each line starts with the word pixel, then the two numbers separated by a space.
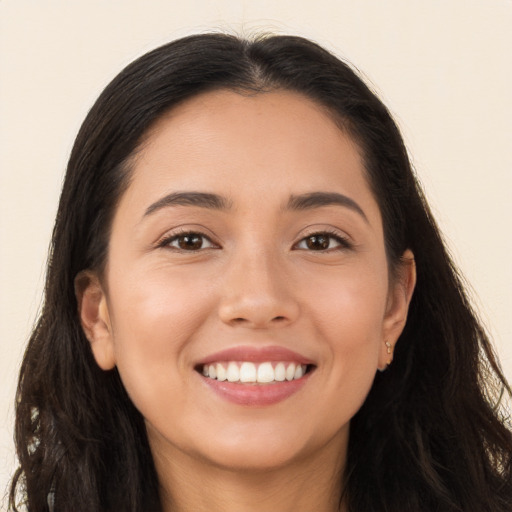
pixel 189 242
pixel 318 242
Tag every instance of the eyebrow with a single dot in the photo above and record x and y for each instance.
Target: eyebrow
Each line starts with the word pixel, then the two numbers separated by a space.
pixel 318 199
pixel 199 199
pixel 308 201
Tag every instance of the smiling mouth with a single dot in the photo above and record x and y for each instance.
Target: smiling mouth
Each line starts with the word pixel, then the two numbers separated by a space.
pixel 247 372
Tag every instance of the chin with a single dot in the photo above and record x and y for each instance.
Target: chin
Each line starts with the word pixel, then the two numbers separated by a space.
pixel 261 450
pixel 254 459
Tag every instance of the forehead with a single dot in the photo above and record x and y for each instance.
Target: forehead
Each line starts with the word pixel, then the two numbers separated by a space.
pixel 247 146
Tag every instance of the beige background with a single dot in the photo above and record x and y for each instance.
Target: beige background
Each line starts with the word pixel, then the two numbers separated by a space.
pixel 442 66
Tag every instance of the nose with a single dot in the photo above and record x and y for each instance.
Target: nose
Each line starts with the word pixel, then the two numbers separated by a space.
pixel 257 293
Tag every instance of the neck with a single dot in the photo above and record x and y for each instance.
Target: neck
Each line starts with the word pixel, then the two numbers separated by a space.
pixel 314 483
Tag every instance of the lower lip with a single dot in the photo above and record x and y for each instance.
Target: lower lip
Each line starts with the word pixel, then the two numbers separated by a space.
pixel 256 394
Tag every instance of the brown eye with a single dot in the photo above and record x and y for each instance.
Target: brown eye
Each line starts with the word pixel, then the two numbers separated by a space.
pixel 318 242
pixel 323 242
pixel 189 242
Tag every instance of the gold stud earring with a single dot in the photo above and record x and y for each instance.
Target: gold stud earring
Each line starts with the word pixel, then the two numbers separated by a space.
pixel 389 351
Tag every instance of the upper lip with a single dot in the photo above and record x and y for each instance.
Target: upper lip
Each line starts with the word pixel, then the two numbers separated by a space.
pixel 256 355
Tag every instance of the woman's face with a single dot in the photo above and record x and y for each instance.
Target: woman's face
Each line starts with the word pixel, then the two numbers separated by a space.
pixel 246 300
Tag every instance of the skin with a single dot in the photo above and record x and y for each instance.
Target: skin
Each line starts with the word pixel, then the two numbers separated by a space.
pixel 158 310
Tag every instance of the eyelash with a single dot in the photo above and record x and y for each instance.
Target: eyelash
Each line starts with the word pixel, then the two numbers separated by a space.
pixel 343 242
pixel 166 241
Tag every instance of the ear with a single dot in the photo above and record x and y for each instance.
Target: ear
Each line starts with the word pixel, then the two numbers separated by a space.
pixel 399 298
pixel 94 317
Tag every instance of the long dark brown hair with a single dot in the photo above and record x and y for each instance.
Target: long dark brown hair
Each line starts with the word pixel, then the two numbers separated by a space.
pixel 431 435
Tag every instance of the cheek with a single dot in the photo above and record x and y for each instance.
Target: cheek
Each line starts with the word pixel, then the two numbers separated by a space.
pixel 155 310
pixel 348 311
pixel 153 320
pixel 348 305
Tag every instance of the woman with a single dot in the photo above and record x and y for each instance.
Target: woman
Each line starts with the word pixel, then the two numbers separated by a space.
pixel 249 306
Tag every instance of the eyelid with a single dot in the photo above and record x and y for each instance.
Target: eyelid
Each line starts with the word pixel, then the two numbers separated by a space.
pixel 343 240
pixel 165 240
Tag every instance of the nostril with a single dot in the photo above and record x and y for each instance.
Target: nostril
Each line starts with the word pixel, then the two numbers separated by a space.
pixel 242 320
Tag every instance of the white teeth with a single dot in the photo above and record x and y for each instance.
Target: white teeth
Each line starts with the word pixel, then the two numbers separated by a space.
pixel 263 373
pixel 233 373
pixel 290 372
pixel 280 372
pixel 248 372
pixel 221 372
